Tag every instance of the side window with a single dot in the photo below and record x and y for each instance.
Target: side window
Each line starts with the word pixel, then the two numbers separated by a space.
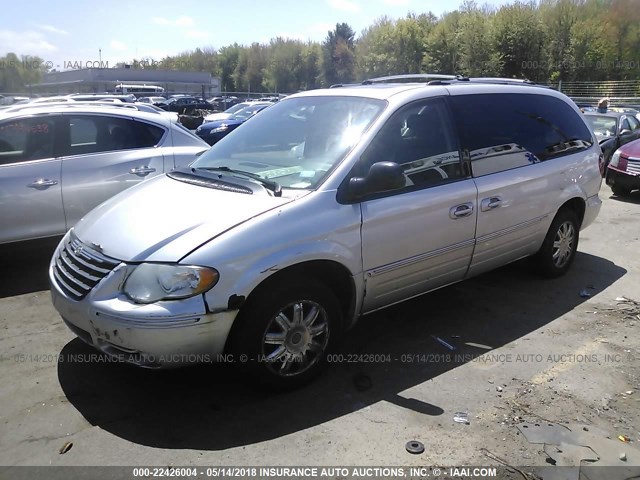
pixel 26 139
pixel 624 124
pixel 634 123
pixel 505 131
pixel 94 134
pixel 419 137
pixel 83 135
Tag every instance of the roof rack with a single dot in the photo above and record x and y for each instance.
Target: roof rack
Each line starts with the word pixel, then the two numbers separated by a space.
pixel 80 104
pixel 425 77
pixel 439 79
pixel 339 85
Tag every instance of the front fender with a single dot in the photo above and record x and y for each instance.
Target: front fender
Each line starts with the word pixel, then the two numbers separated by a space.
pixel 310 229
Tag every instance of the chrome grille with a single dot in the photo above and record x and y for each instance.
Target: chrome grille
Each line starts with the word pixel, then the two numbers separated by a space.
pixel 78 267
pixel 633 166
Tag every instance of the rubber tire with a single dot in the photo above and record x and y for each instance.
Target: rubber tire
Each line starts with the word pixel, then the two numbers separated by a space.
pixel 255 316
pixel 544 258
pixel 620 191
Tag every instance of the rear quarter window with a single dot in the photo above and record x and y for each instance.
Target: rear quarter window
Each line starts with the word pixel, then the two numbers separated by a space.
pixel 505 131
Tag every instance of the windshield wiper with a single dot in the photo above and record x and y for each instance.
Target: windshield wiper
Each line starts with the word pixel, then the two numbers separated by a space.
pixel 270 184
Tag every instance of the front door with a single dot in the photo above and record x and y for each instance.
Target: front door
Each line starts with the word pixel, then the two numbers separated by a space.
pixel 420 237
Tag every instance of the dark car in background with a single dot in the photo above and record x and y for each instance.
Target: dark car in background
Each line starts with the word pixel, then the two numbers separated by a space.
pixel 612 130
pixel 623 171
pixel 223 103
pixel 212 132
pixel 184 105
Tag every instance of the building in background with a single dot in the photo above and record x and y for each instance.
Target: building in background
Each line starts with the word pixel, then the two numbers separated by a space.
pixel 101 80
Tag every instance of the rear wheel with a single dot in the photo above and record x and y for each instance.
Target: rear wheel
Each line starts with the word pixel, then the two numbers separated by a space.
pixel 285 331
pixel 560 245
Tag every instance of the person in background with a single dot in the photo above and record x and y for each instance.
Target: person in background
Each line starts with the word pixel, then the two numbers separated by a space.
pixel 603 105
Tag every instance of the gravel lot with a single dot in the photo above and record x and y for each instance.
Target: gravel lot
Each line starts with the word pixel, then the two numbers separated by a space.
pixel 526 350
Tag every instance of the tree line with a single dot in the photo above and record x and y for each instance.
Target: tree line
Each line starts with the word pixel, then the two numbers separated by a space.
pixel 544 41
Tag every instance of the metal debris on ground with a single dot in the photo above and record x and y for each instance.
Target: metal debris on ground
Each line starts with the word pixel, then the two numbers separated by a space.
pixel 414 447
pixel 624 438
pixel 630 307
pixel 573 445
pixel 443 342
pixel 493 456
pixel 461 417
pixel 65 448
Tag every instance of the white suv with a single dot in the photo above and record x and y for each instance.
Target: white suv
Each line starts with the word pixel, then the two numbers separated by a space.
pixel 329 205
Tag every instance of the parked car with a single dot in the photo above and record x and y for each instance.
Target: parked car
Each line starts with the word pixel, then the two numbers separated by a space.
pixel 153 100
pixel 623 172
pixel 55 99
pixel 184 105
pixel 613 129
pixel 628 111
pixel 212 117
pixel 58 161
pixel 212 132
pixel 328 205
pixel 143 107
pixel 5 101
pixel 223 103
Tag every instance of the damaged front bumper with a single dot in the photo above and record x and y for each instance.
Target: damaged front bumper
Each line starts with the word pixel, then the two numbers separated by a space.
pixel 165 334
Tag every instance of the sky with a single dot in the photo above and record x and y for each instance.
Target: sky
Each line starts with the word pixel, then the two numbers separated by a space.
pixel 81 33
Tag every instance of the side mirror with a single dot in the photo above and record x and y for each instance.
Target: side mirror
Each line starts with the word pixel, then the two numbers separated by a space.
pixel 382 177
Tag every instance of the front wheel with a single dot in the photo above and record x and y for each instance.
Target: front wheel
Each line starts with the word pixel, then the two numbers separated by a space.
pixel 284 332
pixel 560 245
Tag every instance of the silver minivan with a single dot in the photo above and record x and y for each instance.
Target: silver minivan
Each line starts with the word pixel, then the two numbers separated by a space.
pixel 327 206
pixel 59 161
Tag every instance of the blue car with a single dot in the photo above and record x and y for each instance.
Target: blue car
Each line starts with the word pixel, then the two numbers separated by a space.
pixel 212 132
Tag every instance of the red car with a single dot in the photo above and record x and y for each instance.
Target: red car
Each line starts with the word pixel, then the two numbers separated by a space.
pixel 623 171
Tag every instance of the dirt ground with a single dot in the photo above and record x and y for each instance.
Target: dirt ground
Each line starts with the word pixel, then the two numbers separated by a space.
pixel 527 351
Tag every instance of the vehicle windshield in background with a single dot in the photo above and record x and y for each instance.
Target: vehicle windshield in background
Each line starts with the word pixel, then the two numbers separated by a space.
pixel 246 112
pixel 295 142
pixel 602 125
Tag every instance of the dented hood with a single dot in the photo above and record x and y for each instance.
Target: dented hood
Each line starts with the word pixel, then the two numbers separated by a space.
pixel 164 219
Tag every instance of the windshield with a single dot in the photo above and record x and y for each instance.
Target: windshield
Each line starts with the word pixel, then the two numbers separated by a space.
pixel 246 112
pixel 602 125
pixel 295 142
pixel 235 108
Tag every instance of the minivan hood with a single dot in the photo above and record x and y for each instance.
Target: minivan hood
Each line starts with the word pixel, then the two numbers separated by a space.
pixel 163 219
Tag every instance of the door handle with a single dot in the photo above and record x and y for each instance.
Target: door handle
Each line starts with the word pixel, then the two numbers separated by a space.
pixel 142 171
pixel 42 183
pixel 461 211
pixel 490 203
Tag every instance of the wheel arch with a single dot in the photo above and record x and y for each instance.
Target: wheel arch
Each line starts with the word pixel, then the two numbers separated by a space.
pixel 577 205
pixel 332 274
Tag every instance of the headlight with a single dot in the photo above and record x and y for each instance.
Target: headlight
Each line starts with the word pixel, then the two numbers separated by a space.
pixel 220 129
pixel 615 158
pixel 150 282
